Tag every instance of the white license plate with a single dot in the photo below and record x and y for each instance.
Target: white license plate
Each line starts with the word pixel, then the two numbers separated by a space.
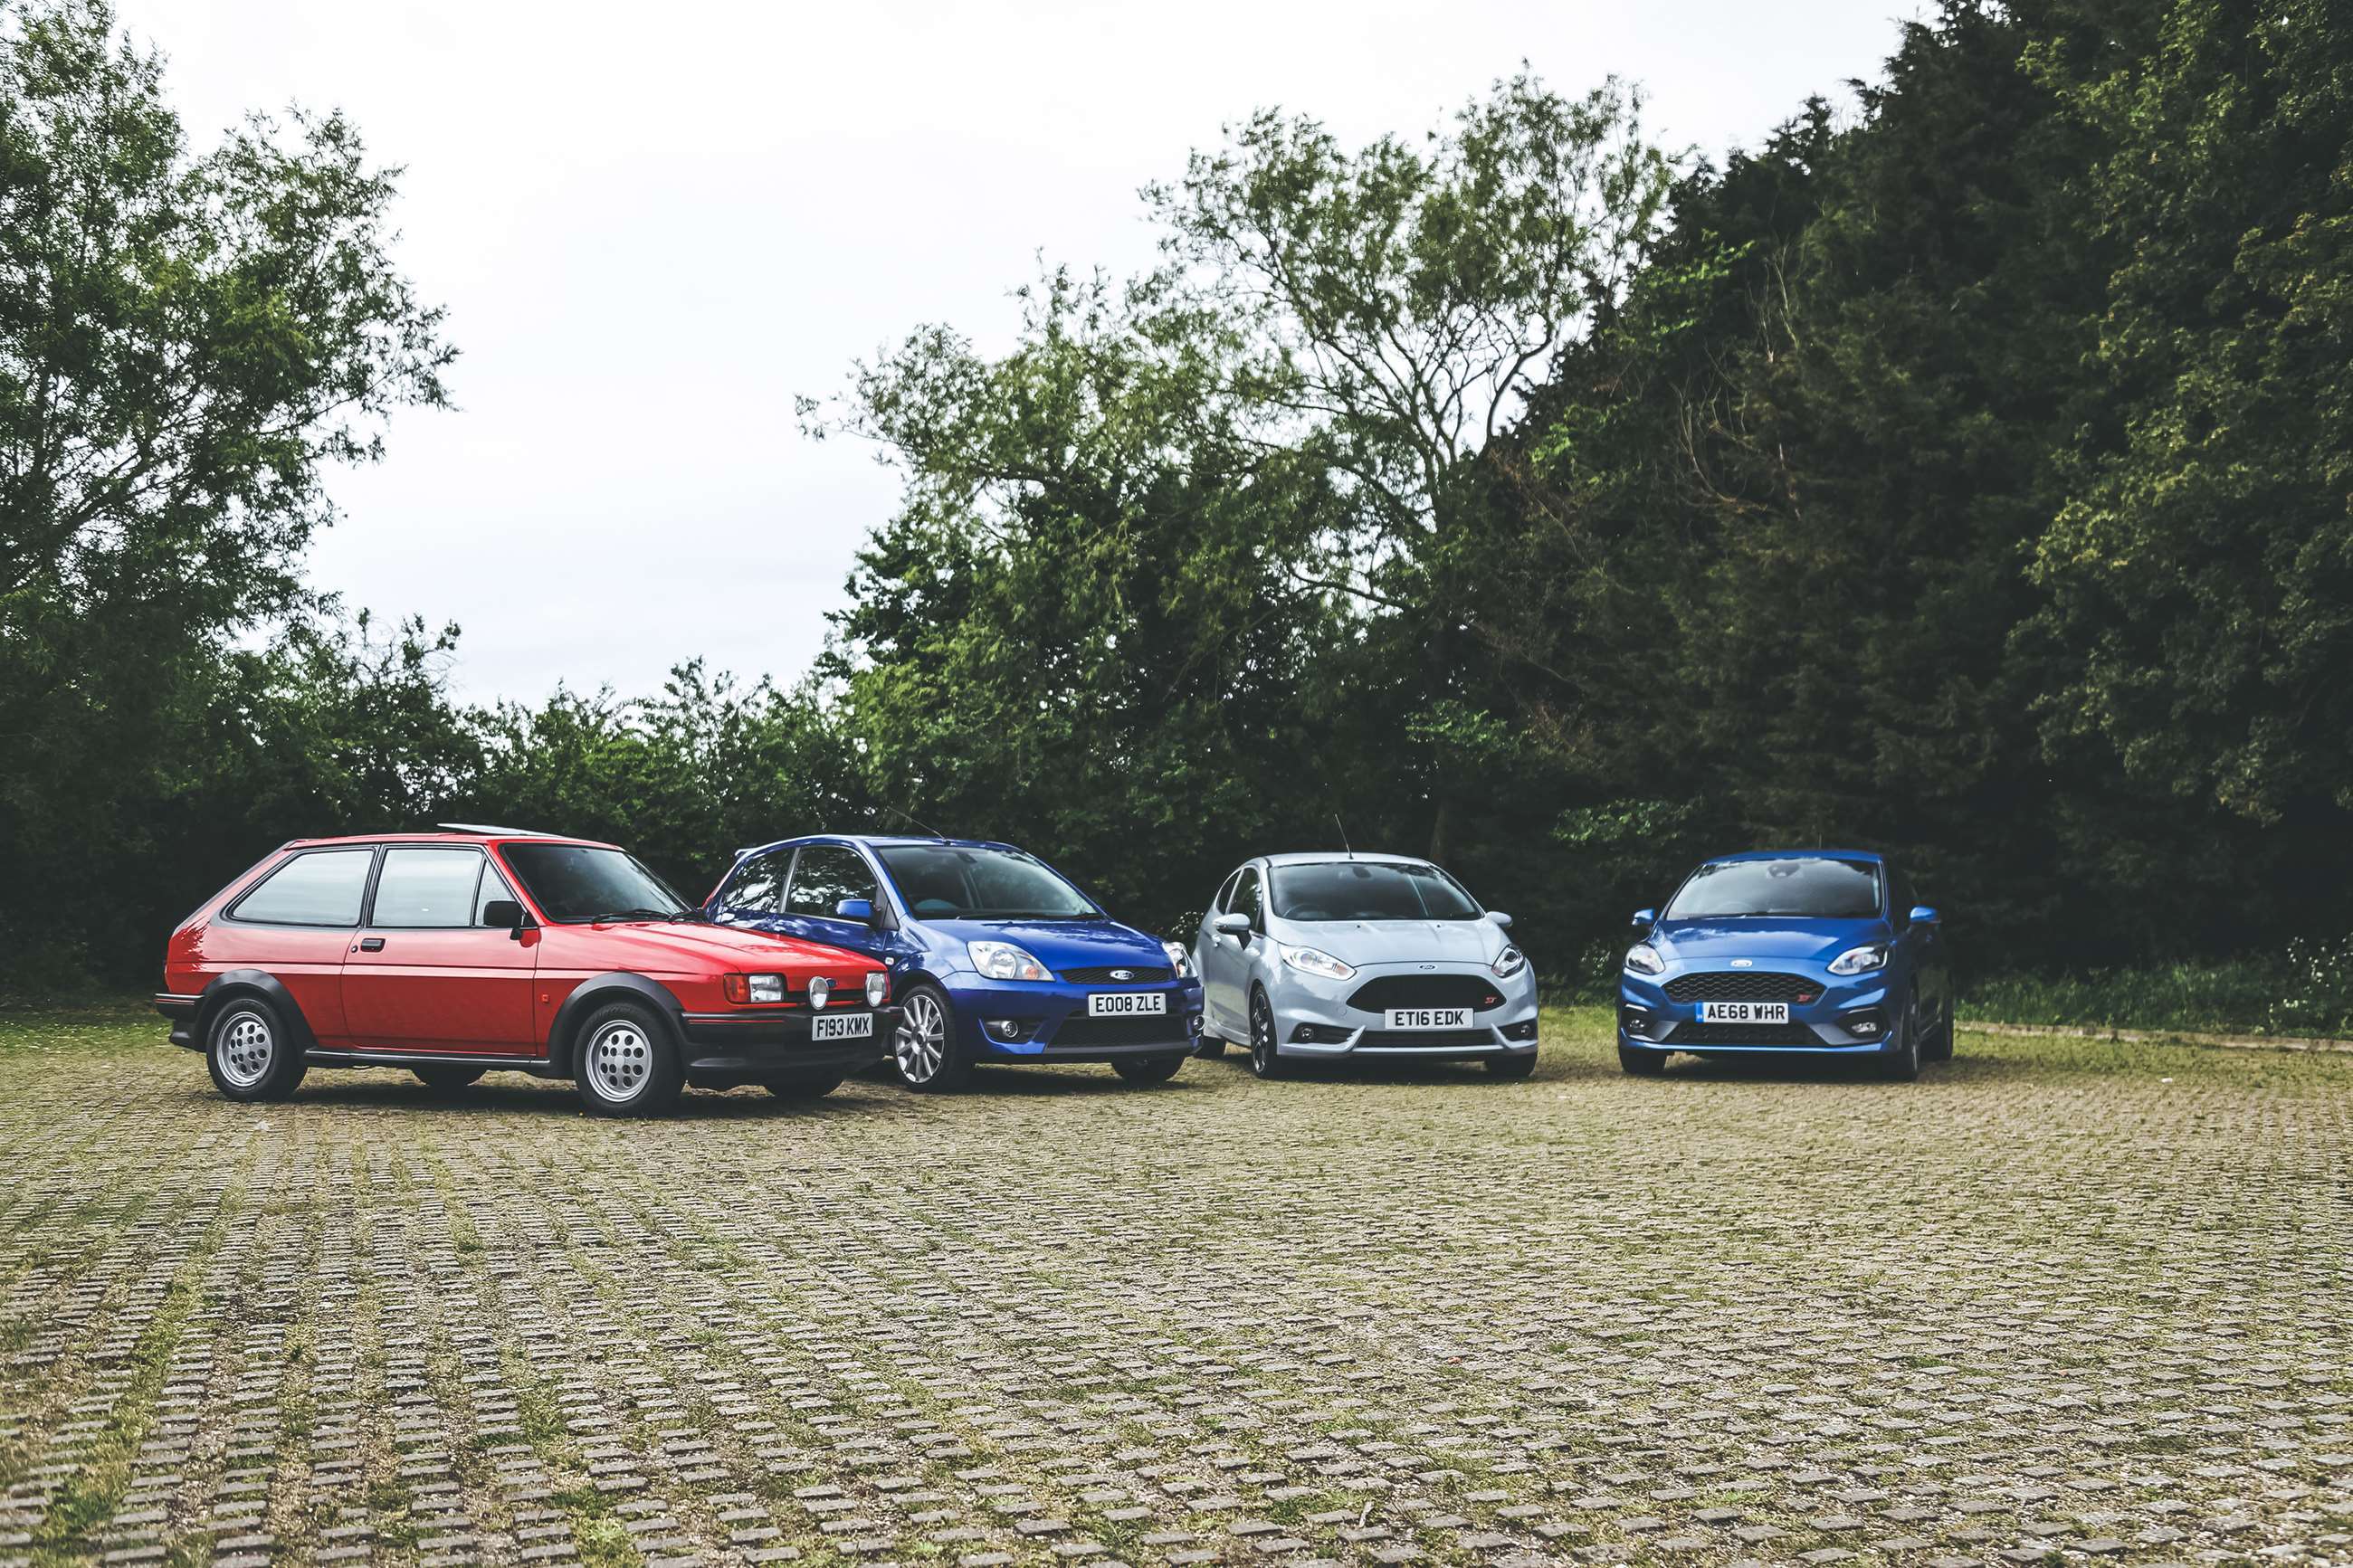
pixel 1428 1018
pixel 845 1027
pixel 1744 1012
pixel 1126 1004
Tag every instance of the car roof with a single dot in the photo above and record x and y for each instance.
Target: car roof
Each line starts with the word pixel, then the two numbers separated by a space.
pixel 470 836
pixel 878 841
pixel 1318 857
pixel 1872 856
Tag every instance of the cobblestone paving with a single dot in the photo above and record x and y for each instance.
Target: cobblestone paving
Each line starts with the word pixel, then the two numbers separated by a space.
pixel 2056 1302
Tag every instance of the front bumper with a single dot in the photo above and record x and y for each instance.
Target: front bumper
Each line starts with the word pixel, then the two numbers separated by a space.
pixel 1832 1023
pixel 1051 1024
pixel 182 1011
pixel 1320 1010
pixel 753 1044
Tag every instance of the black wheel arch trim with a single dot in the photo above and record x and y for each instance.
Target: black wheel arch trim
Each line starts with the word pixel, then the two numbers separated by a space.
pixel 616 985
pixel 231 984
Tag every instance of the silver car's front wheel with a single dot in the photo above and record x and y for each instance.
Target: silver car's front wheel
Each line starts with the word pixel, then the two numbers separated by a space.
pixel 1266 1060
pixel 924 1051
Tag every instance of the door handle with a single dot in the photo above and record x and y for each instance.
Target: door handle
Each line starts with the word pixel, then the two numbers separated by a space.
pixel 371 944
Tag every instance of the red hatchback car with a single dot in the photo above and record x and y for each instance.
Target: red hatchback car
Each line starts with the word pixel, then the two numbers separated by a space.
pixel 456 952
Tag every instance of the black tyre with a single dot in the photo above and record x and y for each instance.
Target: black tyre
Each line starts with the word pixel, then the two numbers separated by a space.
pixel 1938 1047
pixel 624 1062
pixel 448 1080
pixel 805 1084
pixel 925 1055
pixel 1641 1063
pixel 1147 1070
pixel 1512 1066
pixel 1266 1061
pixel 1900 1063
pixel 1210 1046
pixel 251 1053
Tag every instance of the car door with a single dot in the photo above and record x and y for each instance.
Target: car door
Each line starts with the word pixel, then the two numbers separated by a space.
pixel 1923 946
pixel 425 974
pixel 1234 953
pixel 1215 960
pixel 823 875
pixel 299 923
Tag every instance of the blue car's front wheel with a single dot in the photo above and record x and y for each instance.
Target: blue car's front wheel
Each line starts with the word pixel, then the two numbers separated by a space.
pixel 1899 1061
pixel 925 1054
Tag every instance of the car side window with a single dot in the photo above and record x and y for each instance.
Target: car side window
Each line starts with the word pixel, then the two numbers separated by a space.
pixel 1899 898
pixel 321 887
pixel 824 875
pixel 494 888
pixel 1250 899
pixel 759 883
pixel 1225 898
pixel 422 889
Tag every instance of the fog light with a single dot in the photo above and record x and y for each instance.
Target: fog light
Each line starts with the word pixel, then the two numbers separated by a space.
pixel 1639 1024
pixel 1523 1030
pixel 877 986
pixel 1318 1035
pixel 1866 1025
pixel 1007 1028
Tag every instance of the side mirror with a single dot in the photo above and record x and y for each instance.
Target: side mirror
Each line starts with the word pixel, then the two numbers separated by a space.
pixel 503 914
pixel 859 909
pixel 1645 918
pixel 1923 914
pixel 1233 925
pixel 1499 918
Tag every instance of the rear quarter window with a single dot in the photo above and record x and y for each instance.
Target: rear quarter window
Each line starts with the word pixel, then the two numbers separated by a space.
pixel 318 887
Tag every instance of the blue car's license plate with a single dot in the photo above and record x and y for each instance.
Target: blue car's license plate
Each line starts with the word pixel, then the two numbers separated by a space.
pixel 1744 1012
pixel 1126 1004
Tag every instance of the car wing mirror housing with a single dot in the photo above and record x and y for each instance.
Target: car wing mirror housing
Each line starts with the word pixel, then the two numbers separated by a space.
pixel 1233 925
pixel 1924 914
pixel 859 909
pixel 1645 918
pixel 1499 918
pixel 503 914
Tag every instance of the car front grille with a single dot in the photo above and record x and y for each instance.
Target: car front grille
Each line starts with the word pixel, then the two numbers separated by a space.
pixel 1792 1034
pixel 1129 974
pixel 1742 985
pixel 1084 1033
pixel 1426 1040
pixel 1426 991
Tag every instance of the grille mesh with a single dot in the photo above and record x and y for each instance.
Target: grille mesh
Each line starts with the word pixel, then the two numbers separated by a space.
pixel 1427 1039
pixel 1078 1031
pixel 1137 975
pixel 1426 991
pixel 1741 985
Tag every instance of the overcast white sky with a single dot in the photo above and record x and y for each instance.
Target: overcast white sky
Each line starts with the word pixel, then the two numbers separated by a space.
pixel 654 225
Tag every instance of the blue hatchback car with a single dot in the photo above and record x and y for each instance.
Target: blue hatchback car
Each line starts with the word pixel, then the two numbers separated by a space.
pixel 993 955
pixel 1820 953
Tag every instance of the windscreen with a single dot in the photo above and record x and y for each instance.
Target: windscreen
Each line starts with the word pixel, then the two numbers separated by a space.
pixel 946 881
pixel 1816 887
pixel 1368 891
pixel 575 882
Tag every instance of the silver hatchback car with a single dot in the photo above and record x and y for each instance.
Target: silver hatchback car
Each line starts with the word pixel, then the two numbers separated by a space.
pixel 1331 957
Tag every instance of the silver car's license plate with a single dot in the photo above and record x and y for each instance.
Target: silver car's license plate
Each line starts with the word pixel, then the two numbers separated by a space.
pixel 1744 1012
pixel 1126 1004
pixel 1428 1018
pixel 847 1026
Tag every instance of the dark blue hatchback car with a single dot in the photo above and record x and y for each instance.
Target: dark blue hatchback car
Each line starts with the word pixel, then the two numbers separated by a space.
pixel 994 956
pixel 1820 953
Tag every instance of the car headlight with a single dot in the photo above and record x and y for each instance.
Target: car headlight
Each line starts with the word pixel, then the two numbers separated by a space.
pixel 877 986
pixel 1179 959
pixel 1861 960
pixel 1510 962
pixel 1643 959
pixel 1003 961
pixel 744 989
pixel 1314 961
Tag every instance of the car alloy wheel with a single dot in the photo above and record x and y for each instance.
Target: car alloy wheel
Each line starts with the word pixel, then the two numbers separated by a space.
pixel 247 1047
pixel 921 1044
pixel 620 1061
pixel 1265 1060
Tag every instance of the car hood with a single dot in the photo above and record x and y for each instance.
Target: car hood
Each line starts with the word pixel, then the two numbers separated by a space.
pixel 1363 943
pixel 1064 944
pixel 682 945
pixel 1763 936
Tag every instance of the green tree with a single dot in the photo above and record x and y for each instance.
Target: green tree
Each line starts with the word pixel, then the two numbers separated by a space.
pixel 187 342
